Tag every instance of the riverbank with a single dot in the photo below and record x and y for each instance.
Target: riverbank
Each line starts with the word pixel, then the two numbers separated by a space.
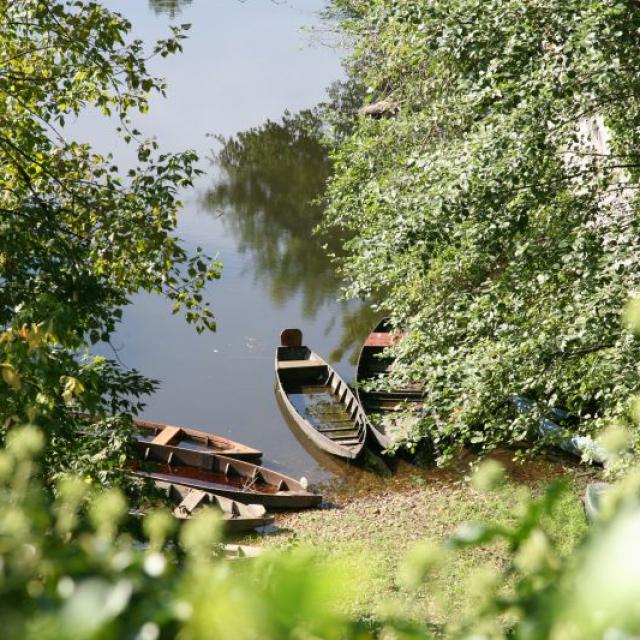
pixel 368 526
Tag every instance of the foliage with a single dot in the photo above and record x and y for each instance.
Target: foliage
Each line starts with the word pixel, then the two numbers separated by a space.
pixel 77 567
pixel 543 593
pixel 496 213
pixel 72 569
pixel 78 235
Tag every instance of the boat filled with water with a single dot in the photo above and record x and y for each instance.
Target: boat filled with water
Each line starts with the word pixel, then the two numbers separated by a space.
pixel 317 399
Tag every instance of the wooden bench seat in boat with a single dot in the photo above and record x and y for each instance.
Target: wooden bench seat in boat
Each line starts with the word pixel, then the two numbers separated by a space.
pixel 383 339
pixel 192 500
pixel 300 364
pixel 345 426
pixel 166 435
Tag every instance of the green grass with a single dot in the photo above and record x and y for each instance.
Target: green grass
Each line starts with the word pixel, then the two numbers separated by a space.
pixel 374 522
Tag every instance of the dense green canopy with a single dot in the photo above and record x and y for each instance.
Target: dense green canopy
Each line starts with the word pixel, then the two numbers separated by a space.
pixel 496 212
pixel 78 235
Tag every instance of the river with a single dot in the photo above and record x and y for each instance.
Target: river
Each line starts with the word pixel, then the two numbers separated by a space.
pixel 244 63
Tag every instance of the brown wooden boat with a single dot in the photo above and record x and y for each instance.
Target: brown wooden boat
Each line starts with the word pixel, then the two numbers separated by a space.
pixel 384 408
pixel 230 478
pixel 194 440
pixel 236 516
pixel 318 400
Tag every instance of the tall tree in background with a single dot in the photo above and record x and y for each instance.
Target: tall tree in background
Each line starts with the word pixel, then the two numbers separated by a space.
pixel 79 236
pixel 494 204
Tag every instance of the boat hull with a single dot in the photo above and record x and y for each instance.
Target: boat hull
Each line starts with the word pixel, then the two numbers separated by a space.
pixel 340 423
pixel 236 516
pixel 386 404
pixel 195 439
pixel 230 478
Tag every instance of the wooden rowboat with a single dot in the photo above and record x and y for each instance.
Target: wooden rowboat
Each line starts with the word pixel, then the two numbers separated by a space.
pixel 192 439
pixel 236 515
pixel 230 478
pixel 384 408
pixel 318 400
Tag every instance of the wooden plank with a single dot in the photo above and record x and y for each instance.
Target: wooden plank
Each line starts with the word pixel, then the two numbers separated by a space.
pixel 300 364
pixel 397 395
pixel 337 424
pixel 383 339
pixel 380 368
pixel 330 416
pixel 338 428
pixel 291 338
pixel 166 435
pixel 191 501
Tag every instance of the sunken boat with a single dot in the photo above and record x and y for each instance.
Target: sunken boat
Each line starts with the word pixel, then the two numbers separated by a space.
pixel 236 516
pixel 187 438
pixel 317 399
pixel 386 408
pixel 227 477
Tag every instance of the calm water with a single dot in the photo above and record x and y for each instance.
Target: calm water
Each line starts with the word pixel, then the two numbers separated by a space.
pixel 244 63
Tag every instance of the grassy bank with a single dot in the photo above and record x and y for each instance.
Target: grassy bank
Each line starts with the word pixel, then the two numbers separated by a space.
pixel 370 524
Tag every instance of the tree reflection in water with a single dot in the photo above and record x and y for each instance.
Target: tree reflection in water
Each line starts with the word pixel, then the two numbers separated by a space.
pixel 268 183
pixel 170 7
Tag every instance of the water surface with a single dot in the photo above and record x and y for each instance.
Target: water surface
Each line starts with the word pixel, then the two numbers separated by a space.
pixel 244 64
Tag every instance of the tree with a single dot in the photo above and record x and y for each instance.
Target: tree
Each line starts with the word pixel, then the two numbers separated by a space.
pixel 496 213
pixel 79 236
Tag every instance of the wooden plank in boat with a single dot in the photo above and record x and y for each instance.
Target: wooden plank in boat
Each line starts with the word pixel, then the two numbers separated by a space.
pixel 299 364
pixel 380 368
pixel 348 427
pixel 396 394
pixel 166 435
pixel 192 500
pixel 329 428
pixel 383 339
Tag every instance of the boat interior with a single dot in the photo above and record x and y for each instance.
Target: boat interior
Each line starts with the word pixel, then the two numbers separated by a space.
pixel 320 396
pixel 297 365
pixel 215 470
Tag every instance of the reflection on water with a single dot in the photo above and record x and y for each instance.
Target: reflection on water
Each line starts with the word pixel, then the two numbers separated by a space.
pixel 243 64
pixel 269 178
pixel 170 7
pixel 268 184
